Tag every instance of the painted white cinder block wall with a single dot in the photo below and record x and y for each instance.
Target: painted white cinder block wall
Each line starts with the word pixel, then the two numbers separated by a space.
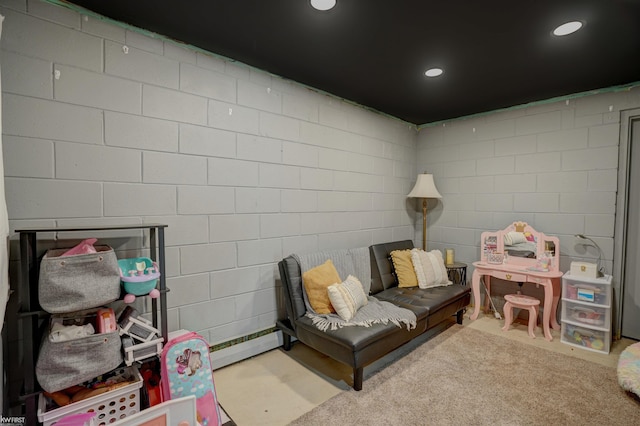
pixel 246 167
pixel 553 165
pixel 103 125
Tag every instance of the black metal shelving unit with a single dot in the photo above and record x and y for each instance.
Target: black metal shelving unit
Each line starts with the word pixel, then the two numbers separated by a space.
pixel 31 316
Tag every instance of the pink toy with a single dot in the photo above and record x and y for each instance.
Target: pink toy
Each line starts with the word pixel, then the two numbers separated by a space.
pixel 139 277
pixel 106 320
pixel 81 419
pixel 85 247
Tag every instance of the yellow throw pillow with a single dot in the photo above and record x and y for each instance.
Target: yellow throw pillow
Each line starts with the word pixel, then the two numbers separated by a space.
pixel 347 297
pixel 403 266
pixel 316 280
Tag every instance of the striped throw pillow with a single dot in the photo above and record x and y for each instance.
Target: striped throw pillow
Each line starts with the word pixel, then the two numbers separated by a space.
pixel 429 268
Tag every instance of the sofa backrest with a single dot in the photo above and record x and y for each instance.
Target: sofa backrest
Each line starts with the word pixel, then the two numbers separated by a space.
pixel 382 276
pixel 382 273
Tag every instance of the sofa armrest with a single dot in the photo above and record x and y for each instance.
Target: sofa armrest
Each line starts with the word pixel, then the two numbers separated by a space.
pixel 291 278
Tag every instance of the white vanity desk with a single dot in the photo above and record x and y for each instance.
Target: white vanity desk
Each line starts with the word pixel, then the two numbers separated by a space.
pixel 521 269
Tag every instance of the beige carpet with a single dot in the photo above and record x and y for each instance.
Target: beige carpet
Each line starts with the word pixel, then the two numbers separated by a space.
pixel 466 376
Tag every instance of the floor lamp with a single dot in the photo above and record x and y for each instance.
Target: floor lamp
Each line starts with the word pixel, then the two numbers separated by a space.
pixel 424 188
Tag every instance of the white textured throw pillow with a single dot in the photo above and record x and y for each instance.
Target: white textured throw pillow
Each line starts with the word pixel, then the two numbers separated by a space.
pixel 429 267
pixel 347 297
pixel 512 238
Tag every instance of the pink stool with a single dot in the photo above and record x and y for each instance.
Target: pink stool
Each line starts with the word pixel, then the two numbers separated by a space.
pixel 522 302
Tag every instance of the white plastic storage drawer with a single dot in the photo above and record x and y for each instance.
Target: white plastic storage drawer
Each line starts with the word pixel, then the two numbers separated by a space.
pixel 586 313
pixel 586 338
pixel 590 290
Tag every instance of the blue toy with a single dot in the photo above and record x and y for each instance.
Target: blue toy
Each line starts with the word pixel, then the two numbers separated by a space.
pixel 139 276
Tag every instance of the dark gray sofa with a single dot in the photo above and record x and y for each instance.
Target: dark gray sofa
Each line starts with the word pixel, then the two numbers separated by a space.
pixel 359 346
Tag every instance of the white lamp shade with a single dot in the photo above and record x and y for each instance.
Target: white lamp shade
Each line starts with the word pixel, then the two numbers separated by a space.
pixel 424 188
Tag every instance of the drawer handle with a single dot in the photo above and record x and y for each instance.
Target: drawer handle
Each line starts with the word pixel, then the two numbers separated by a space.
pixel 508 276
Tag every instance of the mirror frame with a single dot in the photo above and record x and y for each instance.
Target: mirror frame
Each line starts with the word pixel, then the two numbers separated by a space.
pixel 543 242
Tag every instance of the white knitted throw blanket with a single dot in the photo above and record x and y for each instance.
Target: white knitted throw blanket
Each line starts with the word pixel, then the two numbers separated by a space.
pixel 354 262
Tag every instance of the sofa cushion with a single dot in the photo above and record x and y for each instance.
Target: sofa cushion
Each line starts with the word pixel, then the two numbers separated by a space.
pixel 315 282
pixel 347 297
pixel 423 302
pixel 403 268
pixel 350 339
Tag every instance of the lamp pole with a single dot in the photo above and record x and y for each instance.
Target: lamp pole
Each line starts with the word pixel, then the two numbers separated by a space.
pixel 424 188
pixel 424 224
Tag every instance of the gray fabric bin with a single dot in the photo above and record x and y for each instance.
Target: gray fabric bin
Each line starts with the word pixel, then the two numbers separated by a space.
pixel 71 362
pixel 74 283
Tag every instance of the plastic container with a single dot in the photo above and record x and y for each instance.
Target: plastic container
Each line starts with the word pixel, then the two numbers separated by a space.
pixel 589 290
pixel 109 406
pixel 586 338
pixel 586 313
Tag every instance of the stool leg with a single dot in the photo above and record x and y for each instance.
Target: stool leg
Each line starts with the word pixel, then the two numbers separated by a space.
pixel 533 321
pixel 508 316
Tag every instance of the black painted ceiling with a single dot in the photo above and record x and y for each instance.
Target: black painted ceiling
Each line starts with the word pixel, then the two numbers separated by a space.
pixel 495 53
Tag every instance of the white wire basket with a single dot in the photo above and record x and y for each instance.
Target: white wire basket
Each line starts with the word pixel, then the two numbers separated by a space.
pixel 109 406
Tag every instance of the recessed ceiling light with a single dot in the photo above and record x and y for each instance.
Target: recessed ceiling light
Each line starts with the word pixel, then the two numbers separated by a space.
pixel 433 72
pixel 323 4
pixel 567 28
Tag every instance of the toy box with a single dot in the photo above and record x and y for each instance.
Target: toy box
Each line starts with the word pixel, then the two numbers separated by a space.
pixel 584 269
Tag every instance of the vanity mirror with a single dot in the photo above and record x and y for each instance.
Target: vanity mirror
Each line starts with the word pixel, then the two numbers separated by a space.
pixel 520 244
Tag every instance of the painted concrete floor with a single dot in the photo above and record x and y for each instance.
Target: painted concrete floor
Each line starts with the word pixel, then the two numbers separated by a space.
pixel 276 387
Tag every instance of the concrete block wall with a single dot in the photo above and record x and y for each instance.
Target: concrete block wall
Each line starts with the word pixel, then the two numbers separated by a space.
pixel 104 125
pixel 553 165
